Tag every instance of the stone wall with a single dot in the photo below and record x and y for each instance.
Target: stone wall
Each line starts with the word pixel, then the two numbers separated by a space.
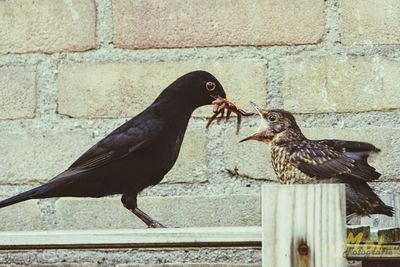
pixel 71 71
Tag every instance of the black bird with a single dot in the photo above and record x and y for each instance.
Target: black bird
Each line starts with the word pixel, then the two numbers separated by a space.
pixel 138 153
pixel 296 159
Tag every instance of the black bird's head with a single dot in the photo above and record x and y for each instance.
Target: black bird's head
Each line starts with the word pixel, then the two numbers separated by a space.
pixel 276 125
pixel 197 88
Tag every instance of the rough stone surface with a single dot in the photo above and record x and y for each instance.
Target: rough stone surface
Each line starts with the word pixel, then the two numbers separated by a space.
pixel 105 258
pixel 154 23
pixel 189 265
pixel 32 157
pixel 47 26
pixel 112 90
pixel 369 21
pixel 64 264
pixel 191 163
pixel 348 84
pixel 17 91
pixel 24 216
pixel 184 211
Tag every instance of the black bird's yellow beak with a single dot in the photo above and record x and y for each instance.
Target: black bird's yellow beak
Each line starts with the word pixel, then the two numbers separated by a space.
pixel 256 136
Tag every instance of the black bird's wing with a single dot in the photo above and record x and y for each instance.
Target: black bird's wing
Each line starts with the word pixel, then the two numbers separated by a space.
pixel 128 138
pixel 134 135
pixel 318 159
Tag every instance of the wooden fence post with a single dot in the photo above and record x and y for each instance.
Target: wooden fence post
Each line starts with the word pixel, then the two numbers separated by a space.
pixel 303 225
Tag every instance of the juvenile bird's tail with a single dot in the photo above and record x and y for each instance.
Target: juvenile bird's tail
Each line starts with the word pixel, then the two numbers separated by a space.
pixel 363 201
pixel 384 209
pixel 37 192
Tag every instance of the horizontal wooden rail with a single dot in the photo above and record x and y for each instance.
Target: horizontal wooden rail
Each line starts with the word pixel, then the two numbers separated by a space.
pixel 134 238
pixel 167 238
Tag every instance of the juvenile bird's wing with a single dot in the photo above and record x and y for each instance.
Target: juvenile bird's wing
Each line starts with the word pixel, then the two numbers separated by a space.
pixel 128 138
pixel 319 160
pixel 355 150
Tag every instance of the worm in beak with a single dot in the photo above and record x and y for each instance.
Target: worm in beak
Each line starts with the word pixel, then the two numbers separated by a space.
pixel 220 105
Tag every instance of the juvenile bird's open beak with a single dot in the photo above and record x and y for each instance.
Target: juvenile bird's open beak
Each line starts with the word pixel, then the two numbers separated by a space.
pixel 257 135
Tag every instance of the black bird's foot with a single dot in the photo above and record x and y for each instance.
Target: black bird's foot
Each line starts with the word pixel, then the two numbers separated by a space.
pixel 150 222
pixel 156 224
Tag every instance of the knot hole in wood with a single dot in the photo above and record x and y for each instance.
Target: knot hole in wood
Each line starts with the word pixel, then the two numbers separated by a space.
pixel 303 251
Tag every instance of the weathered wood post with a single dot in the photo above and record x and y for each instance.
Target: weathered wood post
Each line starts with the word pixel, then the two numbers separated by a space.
pixel 303 225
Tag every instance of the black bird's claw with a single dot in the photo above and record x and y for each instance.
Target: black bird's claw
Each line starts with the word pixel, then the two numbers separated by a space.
pixel 156 224
pixel 150 222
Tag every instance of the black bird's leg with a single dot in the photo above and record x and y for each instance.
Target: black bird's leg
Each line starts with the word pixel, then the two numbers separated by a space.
pixel 150 222
pixel 131 204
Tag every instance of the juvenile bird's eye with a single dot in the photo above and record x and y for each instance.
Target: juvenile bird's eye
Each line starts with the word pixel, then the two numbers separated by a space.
pixel 210 86
pixel 272 118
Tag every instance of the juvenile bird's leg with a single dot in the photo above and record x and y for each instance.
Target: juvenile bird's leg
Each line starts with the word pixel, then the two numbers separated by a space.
pixel 129 201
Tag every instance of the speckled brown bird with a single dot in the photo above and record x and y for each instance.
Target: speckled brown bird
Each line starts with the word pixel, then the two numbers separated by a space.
pixel 297 159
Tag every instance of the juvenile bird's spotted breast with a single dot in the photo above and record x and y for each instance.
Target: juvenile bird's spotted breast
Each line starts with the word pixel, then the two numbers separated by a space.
pixel 285 171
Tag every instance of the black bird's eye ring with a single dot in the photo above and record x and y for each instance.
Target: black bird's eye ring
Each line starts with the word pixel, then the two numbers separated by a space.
pixel 210 86
pixel 272 118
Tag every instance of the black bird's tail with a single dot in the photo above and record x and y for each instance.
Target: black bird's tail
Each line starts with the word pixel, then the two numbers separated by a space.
pixel 34 193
